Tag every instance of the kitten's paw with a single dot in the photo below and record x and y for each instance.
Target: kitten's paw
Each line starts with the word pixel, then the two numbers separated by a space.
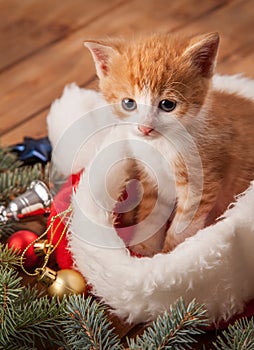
pixel 144 250
pixel 169 244
pixel 166 249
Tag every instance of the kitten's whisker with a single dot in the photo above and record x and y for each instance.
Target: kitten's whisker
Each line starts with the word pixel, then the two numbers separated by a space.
pixel 178 82
pixel 178 93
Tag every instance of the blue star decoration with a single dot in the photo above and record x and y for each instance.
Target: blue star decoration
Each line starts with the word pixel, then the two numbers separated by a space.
pixel 33 151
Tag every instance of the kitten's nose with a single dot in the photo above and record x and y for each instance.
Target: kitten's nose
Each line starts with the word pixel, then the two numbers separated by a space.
pixel 146 130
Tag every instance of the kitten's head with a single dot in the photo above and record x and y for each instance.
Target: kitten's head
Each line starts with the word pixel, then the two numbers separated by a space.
pixel 157 77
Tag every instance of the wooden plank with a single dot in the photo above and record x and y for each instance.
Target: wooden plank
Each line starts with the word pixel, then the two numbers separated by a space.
pixel 26 26
pixel 36 126
pixel 238 63
pixel 29 86
pixel 234 23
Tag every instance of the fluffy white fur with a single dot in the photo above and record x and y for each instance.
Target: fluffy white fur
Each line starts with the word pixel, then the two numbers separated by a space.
pixel 70 127
pixel 216 266
pixel 237 84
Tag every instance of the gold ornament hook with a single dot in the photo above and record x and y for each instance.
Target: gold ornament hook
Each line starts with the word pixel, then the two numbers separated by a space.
pixel 50 247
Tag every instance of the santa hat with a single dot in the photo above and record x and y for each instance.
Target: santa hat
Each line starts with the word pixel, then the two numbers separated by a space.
pixel 215 266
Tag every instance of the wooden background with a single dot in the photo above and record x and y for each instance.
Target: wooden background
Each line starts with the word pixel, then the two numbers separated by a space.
pixel 41 49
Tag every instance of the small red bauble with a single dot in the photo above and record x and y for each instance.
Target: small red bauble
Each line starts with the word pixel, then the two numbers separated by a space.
pixel 19 241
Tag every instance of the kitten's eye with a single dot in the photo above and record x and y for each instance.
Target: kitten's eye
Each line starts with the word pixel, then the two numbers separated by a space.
pixel 167 105
pixel 129 104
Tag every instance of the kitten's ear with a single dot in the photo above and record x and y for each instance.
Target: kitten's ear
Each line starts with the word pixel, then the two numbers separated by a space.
pixel 202 52
pixel 102 55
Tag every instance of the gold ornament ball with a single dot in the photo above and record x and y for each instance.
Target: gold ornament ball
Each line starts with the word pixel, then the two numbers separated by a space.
pixel 67 282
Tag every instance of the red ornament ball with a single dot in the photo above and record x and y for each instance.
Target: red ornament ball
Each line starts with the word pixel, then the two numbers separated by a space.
pixel 19 241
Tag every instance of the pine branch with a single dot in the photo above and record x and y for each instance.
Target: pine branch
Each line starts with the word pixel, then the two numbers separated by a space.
pixel 39 321
pixel 18 346
pixel 174 329
pixel 31 294
pixel 26 317
pixel 86 326
pixel 8 257
pixel 10 287
pixel 239 336
pixel 10 290
pixel 8 160
pixel 7 229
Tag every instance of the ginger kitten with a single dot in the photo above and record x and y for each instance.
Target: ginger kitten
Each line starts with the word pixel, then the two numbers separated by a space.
pixel 172 76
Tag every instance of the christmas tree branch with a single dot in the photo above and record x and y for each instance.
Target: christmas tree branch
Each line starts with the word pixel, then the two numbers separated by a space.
pixel 8 160
pixel 174 329
pixel 6 229
pixel 10 290
pixel 26 317
pixel 86 326
pixel 8 257
pixel 36 320
pixel 40 319
pixel 239 336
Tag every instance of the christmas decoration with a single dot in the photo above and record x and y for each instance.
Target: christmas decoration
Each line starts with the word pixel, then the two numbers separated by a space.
pixel 59 283
pixel 63 282
pixel 41 247
pixel 32 151
pixel 19 241
pixel 14 181
pixel 35 201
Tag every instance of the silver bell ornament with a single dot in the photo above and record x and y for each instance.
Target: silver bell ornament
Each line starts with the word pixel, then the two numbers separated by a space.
pixel 35 201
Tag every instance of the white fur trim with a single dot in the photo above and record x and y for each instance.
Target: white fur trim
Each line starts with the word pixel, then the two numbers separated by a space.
pixel 215 266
